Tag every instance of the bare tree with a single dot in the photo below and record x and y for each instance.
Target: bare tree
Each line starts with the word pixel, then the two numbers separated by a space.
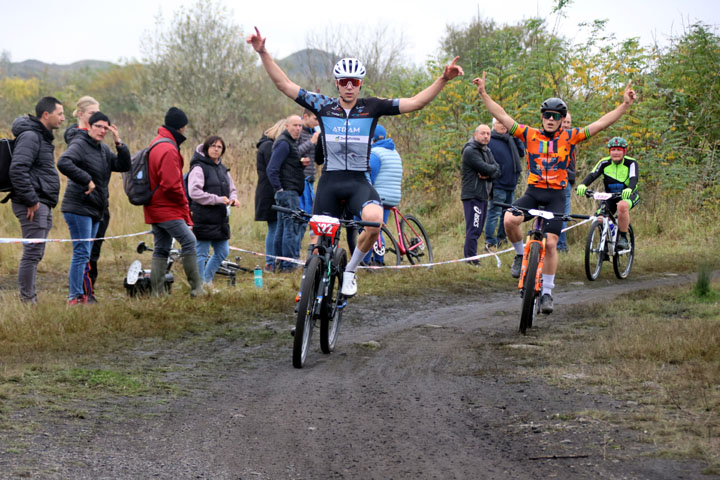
pixel 381 49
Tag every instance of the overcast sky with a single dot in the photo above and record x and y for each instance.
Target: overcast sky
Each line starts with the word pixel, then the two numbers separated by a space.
pixel 67 31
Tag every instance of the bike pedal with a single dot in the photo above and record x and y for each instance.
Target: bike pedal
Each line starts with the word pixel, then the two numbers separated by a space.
pixel 342 305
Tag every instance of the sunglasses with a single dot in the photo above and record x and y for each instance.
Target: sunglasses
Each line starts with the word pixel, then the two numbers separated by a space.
pixel 343 82
pixel 553 115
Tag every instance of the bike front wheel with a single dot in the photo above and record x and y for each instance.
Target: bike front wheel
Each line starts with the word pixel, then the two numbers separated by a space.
pixel 594 254
pixel 529 296
pixel 416 241
pixel 306 311
pixel 623 261
pixel 333 304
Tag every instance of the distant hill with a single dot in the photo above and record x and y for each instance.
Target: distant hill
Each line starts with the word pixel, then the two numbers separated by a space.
pixel 36 68
pixel 308 63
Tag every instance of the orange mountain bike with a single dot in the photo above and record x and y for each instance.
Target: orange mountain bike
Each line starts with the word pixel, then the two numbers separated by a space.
pixel 530 283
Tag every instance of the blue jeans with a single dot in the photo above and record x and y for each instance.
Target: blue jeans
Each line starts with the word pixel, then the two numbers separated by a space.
pixel 270 244
pixel 80 226
pixel 503 196
pixel 562 240
pixel 221 248
pixel 163 234
pixel 287 234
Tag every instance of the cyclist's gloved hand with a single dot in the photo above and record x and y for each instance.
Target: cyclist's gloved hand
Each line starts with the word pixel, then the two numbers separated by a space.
pixel 581 189
pixel 626 194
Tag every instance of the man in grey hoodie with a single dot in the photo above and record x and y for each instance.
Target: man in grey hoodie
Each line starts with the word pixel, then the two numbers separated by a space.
pixel 478 170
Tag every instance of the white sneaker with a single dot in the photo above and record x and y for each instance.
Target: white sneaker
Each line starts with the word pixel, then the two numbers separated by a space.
pixel 349 286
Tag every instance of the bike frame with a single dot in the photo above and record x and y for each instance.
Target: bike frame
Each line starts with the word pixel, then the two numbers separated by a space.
pixel 607 218
pixel 397 215
pixel 536 235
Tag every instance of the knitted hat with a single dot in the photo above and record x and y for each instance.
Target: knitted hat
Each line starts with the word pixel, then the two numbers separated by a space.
pixel 175 118
pixel 379 133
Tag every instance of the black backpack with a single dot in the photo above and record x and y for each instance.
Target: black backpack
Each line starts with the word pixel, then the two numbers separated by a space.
pixel 136 182
pixel 6 154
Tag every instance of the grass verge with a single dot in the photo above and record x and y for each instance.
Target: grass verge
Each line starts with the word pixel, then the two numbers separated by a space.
pixel 657 350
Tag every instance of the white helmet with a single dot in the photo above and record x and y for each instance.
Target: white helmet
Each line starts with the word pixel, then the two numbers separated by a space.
pixel 349 68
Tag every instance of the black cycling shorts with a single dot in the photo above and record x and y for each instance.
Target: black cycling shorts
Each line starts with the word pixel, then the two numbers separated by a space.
pixel 338 190
pixel 547 199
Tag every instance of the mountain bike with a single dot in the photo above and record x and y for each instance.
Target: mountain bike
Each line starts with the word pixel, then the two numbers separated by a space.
pixel 602 238
pixel 320 297
pixel 530 282
pixel 412 241
pixel 229 269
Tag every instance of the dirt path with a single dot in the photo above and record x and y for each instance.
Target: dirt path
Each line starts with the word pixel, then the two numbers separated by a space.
pixel 412 392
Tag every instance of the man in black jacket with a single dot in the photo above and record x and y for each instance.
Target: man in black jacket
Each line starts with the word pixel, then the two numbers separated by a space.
pixel 478 169
pixel 36 185
pixel 285 172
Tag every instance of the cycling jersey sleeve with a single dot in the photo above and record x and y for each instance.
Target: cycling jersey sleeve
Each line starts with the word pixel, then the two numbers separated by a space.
pixel 312 101
pixel 578 135
pixel 382 106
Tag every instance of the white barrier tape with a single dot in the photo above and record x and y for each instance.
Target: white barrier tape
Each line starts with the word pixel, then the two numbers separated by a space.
pixel 276 257
pixel 397 267
pixel 62 240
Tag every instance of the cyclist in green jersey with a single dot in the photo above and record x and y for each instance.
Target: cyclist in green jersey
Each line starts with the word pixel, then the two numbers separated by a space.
pixel 620 175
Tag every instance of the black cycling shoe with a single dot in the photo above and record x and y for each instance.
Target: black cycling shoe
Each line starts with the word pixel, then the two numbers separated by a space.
pixel 546 304
pixel 516 266
pixel 292 332
pixel 622 243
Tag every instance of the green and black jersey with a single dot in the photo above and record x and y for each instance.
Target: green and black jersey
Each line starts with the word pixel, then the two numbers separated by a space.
pixel 616 177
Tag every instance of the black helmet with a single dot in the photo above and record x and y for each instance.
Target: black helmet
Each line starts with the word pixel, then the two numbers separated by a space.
pixel 555 105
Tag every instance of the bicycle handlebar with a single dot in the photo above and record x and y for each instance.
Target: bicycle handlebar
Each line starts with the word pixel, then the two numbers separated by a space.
pixel 562 216
pixel 589 193
pixel 304 216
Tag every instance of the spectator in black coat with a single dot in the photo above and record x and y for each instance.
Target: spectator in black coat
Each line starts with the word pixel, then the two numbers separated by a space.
pixel 36 185
pixel 264 191
pixel 88 163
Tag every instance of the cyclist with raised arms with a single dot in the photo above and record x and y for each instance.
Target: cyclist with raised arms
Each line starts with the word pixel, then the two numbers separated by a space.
pixel 549 151
pixel 347 124
pixel 620 175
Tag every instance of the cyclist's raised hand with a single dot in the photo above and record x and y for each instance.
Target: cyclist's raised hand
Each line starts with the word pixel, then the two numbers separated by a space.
pixel 257 41
pixel 626 194
pixel 629 95
pixel 480 83
pixel 581 189
pixel 452 70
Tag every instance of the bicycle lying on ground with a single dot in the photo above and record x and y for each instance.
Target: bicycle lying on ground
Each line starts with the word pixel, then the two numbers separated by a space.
pixel 229 269
pixel 319 297
pixel 602 240
pixel 530 283
pixel 137 280
pixel 412 241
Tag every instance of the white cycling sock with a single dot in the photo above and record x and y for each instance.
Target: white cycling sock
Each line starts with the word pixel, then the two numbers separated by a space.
pixel 548 283
pixel 519 247
pixel 355 260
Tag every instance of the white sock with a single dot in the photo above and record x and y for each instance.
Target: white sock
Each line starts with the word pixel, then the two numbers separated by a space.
pixel 519 247
pixel 357 257
pixel 548 283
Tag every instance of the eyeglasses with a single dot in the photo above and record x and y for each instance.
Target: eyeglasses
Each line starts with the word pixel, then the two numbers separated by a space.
pixel 100 127
pixel 553 115
pixel 343 82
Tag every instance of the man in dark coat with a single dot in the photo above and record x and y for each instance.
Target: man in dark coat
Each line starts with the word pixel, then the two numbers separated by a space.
pixel 264 199
pixel 508 152
pixel 285 172
pixel 478 169
pixel 36 185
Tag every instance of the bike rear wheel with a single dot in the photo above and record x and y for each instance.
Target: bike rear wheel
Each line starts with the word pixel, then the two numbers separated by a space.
pixel 416 241
pixel 333 304
pixel 594 254
pixel 389 251
pixel 306 311
pixel 529 296
pixel 622 262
